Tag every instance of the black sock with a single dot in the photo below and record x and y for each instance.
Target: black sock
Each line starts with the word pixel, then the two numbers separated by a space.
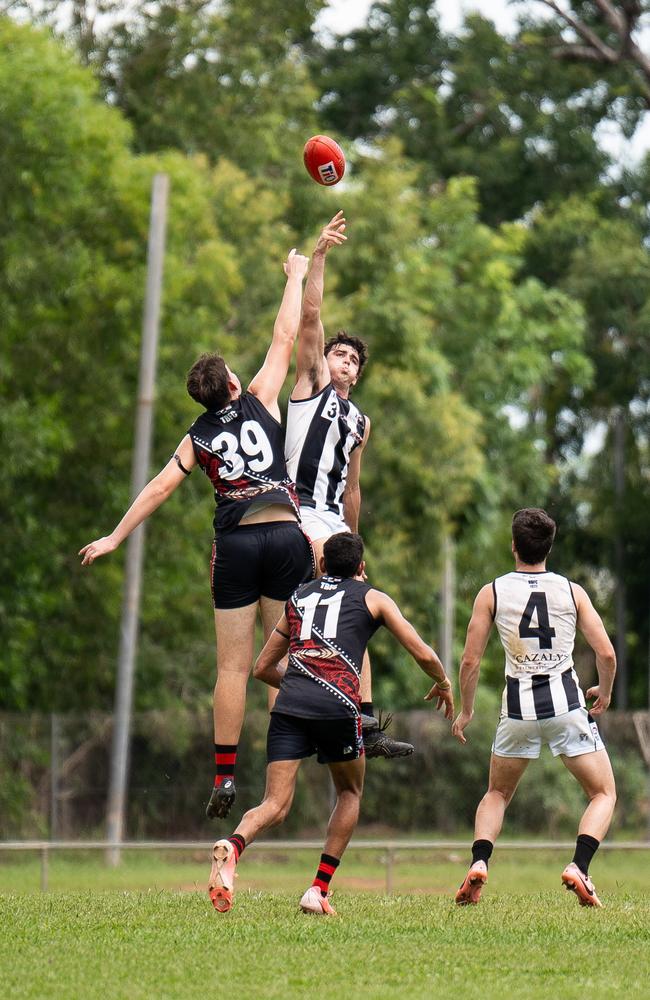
pixel 586 847
pixel 326 869
pixel 366 708
pixel 225 758
pixel 482 851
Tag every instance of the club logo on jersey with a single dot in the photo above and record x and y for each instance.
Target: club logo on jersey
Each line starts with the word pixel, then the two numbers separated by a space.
pixel 533 583
pixel 315 653
pixel 250 491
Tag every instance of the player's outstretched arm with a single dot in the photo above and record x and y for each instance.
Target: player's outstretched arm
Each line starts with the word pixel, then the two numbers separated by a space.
pixel 270 378
pixel 149 499
pixel 267 666
pixel 478 632
pixel 352 495
pixel 312 373
pixel 384 607
pixel 591 625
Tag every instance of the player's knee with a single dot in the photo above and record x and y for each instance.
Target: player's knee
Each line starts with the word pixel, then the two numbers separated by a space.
pixel 610 792
pixel 502 793
pixel 231 669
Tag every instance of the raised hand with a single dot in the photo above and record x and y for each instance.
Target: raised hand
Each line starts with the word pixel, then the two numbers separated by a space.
pixel 296 265
pixel 100 547
pixel 333 234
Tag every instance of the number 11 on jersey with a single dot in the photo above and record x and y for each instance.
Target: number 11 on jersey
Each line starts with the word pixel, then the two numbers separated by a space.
pixel 309 605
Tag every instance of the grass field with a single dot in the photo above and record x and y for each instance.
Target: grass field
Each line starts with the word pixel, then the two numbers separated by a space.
pixel 148 931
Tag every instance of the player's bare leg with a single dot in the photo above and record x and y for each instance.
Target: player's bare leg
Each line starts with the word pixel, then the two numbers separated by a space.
pixel 235 630
pixel 278 796
pixel 594 772
pixel 505 774
pixel 376 741
pixel 272 612
pixel 348 781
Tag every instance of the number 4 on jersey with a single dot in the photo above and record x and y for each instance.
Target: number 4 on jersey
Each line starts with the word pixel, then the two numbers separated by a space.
pixel 537 606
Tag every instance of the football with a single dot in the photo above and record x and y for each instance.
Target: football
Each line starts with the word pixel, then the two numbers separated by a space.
pixel 324 160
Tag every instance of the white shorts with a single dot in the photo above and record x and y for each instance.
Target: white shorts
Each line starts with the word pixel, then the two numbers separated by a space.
pixel 321 523
pixel 572 734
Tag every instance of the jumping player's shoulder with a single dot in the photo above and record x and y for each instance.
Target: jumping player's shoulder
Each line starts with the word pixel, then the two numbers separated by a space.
pixel 309 385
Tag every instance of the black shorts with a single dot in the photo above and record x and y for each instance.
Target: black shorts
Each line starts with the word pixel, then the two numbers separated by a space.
pixel 259 560
pixel 334 740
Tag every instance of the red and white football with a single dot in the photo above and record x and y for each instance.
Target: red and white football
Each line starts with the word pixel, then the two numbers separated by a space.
pixel 324 160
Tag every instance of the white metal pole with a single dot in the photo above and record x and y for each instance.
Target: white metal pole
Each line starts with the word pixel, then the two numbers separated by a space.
pixel 135 546
pixel 620 594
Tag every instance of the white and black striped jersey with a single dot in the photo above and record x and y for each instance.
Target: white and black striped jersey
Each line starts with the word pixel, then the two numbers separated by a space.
pixel 535 614
pixel 322 433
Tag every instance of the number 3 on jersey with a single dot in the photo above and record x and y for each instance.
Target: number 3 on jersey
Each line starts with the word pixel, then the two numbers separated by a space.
pixel 537 606
pixel 252 441
pixel 309 605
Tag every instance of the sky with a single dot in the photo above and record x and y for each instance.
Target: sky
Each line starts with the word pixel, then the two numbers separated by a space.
pixel 342 16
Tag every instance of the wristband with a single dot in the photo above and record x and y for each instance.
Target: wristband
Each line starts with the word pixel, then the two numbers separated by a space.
pixel 444 685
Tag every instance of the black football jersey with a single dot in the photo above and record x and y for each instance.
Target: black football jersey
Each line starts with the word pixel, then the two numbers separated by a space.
pixel 241 451
pixel 329 629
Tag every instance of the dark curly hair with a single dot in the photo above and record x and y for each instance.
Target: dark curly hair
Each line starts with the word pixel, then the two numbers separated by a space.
pixel 533 532
pixel 343 337
pixel 207 382
pixel 343 553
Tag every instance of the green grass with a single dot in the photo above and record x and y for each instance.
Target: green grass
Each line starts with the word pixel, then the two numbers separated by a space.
pixel 164 943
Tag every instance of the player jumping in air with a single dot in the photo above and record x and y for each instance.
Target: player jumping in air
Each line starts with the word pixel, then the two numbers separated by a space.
pixel 260 554
pixel 326 436
pixel 536 613
pixel 326 627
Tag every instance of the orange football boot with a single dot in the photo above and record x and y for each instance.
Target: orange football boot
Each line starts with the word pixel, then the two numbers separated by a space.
pixel 222 876
pixel 576 881
pixel 470 890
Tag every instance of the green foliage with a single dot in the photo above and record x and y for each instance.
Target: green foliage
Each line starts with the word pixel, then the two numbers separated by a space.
pixel 497 345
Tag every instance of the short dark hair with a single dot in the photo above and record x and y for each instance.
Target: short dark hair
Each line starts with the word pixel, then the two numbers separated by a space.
pixel 343 337
pixel 343 553
pixel 207 382
pixel 533 532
